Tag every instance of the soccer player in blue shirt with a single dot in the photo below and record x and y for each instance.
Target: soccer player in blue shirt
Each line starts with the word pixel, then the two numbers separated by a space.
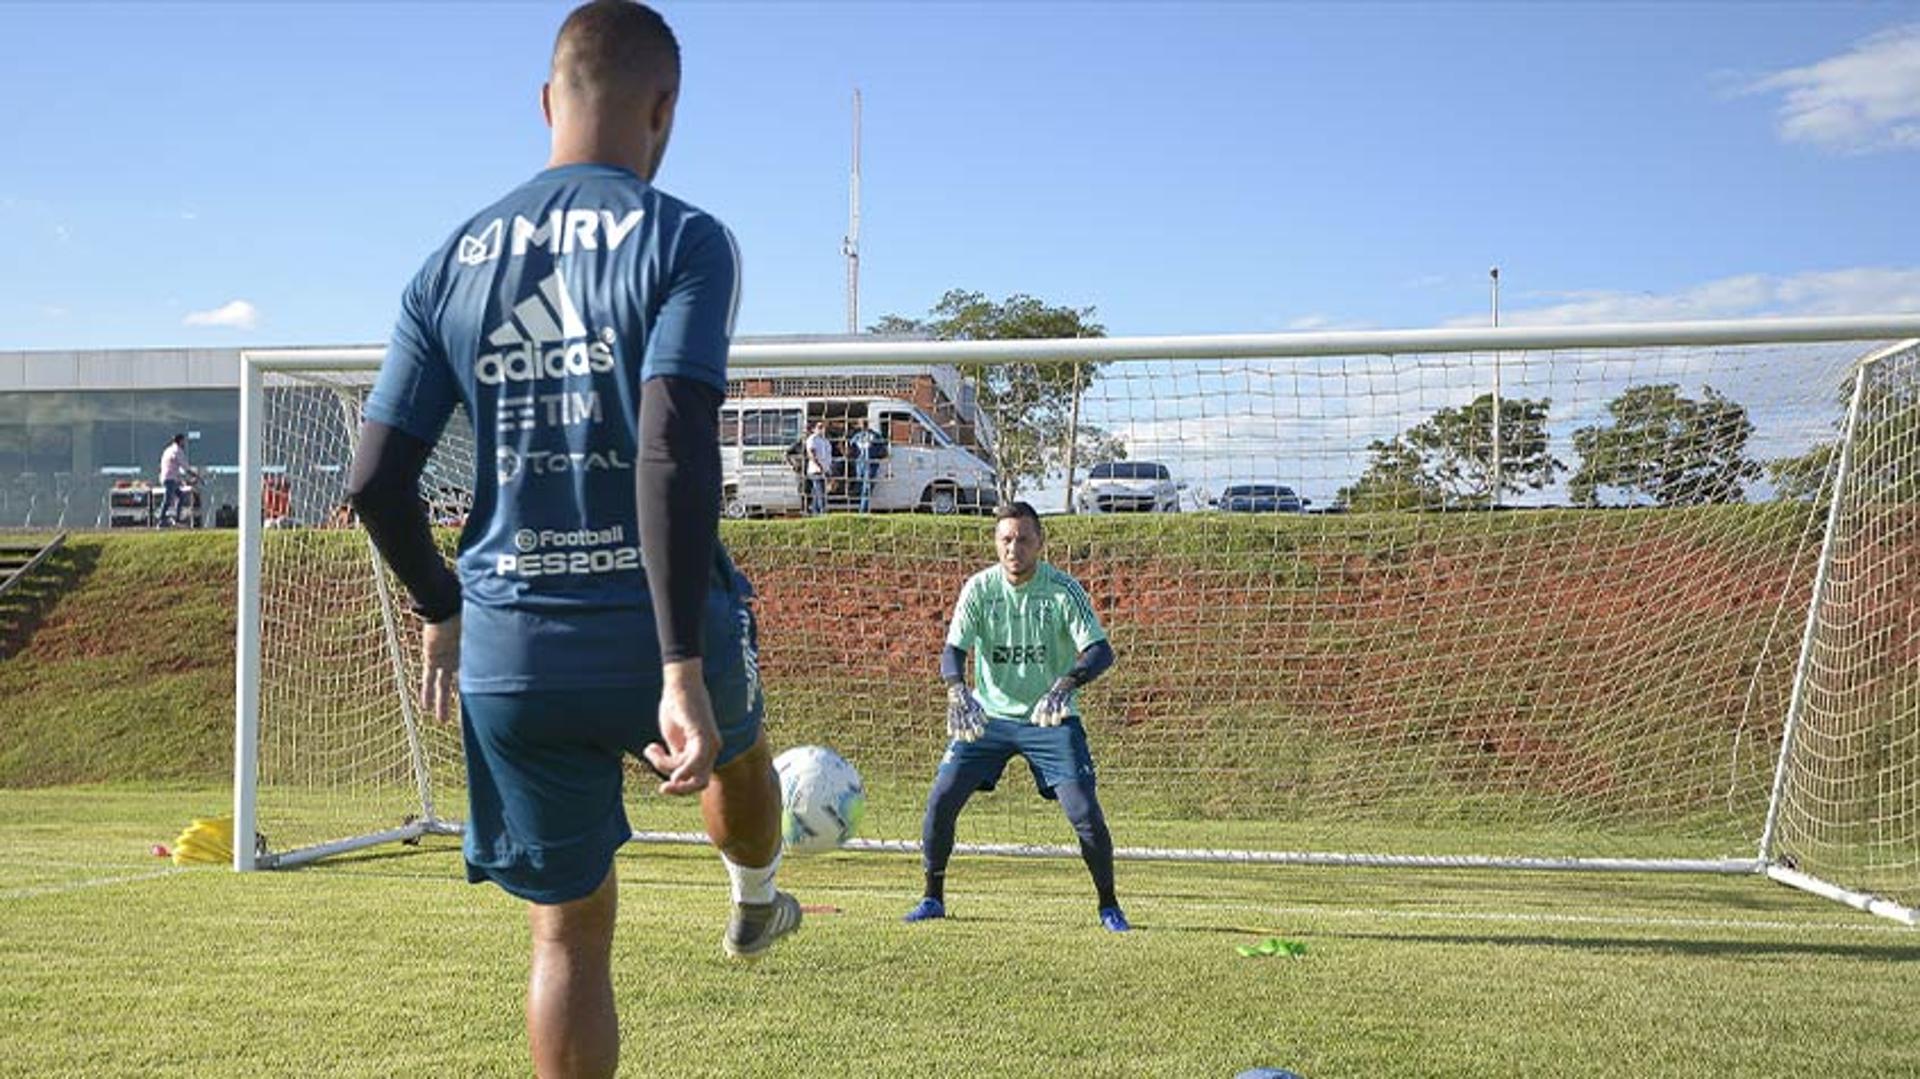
pixel 582 322
pixel 1035 641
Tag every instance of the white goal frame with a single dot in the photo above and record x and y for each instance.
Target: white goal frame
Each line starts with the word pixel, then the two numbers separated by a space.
pixel 258 364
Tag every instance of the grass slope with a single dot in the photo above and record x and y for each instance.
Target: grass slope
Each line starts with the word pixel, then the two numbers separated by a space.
pixel 1375 668
pixel 128 675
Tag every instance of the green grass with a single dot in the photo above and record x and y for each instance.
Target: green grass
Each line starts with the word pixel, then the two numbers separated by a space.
pixel 387 964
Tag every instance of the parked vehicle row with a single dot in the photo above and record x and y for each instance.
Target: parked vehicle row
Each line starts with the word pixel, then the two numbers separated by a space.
pixel 1149 487
pixel 925 469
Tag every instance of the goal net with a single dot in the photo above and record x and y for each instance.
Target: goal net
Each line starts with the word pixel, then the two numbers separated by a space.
pixel 335 754
pixel 1585 598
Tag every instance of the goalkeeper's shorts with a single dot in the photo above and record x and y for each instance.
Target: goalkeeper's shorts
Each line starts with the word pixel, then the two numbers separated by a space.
pixel 545 768
pixel 1056 756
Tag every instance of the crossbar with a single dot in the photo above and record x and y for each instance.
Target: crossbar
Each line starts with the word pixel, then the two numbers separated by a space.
pixel 884 350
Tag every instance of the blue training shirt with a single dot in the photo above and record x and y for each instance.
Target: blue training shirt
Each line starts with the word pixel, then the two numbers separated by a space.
pixel 542 316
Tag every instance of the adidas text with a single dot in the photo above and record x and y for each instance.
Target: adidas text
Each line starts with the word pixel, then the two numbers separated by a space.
pixel 528 363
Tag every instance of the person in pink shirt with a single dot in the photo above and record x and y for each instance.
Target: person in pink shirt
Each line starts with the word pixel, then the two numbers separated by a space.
pixel 175 473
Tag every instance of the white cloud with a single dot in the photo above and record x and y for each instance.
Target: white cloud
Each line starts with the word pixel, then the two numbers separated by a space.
pixel 1851 292
pixel 1318 322
pixel 1865 99
pixel 1858 291
pixel 237 314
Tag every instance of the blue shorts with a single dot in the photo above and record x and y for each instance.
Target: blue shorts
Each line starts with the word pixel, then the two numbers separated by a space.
pixel 544 768
pixel 1055 755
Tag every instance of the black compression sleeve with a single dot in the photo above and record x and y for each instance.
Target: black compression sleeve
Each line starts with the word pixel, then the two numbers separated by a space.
pixel 677 483
pixel 384 490
pixel 953 665
pixel 1091 664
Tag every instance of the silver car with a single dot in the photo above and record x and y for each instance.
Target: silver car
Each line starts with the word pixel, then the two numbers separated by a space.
pixel 1129 487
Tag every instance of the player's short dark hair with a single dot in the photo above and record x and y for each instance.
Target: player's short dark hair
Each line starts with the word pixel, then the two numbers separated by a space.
pixel 181 437
pixel 1019 511
pixel 616 46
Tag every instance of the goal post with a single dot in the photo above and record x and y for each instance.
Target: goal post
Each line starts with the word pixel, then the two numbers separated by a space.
pixel 1840 820
pixel 1680 637
pixel 331 753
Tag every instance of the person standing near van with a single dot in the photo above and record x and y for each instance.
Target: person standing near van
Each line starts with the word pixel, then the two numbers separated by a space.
pixel 819 468
pixel 868 448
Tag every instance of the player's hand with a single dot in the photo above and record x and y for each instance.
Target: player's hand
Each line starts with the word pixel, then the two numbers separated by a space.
pixel 965 721
pixel 689 737
pixel 440 667
pixel 1056 706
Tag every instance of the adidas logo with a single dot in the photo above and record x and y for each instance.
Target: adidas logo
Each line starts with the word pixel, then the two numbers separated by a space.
pixel 544 337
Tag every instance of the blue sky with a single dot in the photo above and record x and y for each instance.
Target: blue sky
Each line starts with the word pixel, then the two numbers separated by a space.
pixel 226 174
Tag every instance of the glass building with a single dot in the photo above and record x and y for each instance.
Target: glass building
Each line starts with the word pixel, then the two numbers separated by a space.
pixel 73 425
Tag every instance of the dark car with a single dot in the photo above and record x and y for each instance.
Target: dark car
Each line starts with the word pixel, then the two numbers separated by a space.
pixel 1260 498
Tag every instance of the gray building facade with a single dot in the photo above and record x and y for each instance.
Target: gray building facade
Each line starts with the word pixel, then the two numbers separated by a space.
pixel 75 424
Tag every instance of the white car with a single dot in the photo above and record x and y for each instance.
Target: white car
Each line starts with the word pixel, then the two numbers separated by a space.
pixel 1129 487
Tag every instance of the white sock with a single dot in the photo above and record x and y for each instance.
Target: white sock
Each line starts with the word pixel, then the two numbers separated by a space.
pixel 752 885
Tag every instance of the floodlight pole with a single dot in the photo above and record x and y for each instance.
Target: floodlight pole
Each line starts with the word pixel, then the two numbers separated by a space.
pixel 1494 273
pixel 850 245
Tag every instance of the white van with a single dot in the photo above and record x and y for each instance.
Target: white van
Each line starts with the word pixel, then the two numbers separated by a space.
pixel 924 469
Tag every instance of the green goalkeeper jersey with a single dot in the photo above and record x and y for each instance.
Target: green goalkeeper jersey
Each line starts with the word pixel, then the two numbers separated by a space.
pixel 1022 637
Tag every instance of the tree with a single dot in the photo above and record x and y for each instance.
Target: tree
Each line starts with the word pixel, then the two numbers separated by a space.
pixel 1031 404
pixel 1672 450
pixel 1799 479
pixel 1394 480
pixel 1456 449
pixel 1447 460
pixel 1885 435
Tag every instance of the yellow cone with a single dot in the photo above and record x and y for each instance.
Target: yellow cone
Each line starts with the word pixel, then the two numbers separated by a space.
pixel 208 840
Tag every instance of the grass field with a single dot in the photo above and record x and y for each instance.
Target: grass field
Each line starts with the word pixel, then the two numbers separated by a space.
pixel 387 964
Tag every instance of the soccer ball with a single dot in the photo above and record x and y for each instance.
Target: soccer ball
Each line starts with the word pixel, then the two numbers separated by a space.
pixel 820 799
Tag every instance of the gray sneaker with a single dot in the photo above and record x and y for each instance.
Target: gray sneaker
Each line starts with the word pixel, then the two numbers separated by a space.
pixel 755 926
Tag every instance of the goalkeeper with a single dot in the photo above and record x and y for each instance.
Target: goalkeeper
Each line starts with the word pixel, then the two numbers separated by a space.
pixel 1035 641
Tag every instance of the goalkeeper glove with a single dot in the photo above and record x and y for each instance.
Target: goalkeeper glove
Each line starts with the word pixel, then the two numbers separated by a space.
pixel 965 721
pixel 1056 706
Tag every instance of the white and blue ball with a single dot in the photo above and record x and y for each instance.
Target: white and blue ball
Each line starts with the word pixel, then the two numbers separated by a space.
pixel 821 799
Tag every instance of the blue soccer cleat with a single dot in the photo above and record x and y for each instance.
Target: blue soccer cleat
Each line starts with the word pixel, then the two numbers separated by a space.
pixel 928 909
pixel 1115 921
